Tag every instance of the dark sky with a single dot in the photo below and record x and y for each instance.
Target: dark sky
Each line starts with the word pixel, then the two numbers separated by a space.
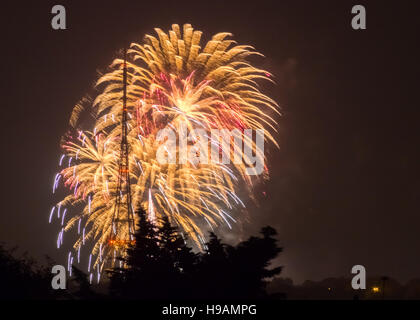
pixel 345 182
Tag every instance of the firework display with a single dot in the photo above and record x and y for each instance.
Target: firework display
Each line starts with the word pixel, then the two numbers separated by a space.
pixel 173 82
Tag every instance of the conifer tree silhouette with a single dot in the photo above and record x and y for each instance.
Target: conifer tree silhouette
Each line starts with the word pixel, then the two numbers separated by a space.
pixel 160 265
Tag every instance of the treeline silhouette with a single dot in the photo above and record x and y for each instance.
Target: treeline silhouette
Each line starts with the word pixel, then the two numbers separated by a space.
pixel 159 265
pixel 162 266
pixel 340 289
pixel 23 278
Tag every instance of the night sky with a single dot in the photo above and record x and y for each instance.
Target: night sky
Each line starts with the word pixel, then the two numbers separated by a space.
pixel 345 183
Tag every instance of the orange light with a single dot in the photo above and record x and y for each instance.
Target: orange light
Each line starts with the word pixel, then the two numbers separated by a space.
pixel 375 289
pixel 121 243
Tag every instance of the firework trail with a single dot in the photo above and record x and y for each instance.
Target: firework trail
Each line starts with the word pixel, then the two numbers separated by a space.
pixel 172 81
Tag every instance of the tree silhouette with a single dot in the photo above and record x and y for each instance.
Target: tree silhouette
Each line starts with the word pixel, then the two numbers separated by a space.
pixel 84 289
pixel 251 259
pixel 160 265
pixel 142 264
pixel 22 278
pixel 178 258
pixel 215 269
pixel 238 271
